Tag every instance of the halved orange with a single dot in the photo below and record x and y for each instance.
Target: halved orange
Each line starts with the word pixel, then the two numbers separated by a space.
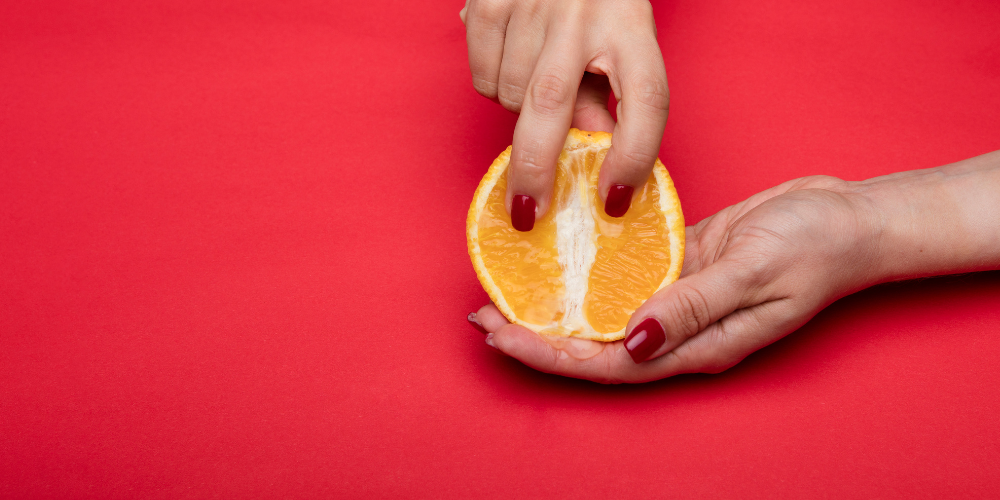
pixel 578 272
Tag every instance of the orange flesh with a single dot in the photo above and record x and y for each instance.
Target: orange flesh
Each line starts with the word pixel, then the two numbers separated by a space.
pixel 632 259
pixel 523 265
pixel 633 256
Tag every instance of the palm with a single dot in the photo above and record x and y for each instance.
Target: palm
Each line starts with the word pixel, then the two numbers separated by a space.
pixel 750 277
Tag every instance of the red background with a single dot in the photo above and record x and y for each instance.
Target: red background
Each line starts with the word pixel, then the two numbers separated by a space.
pixel 233 259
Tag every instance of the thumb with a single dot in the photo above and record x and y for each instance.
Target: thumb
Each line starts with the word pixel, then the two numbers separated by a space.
pixel 686 307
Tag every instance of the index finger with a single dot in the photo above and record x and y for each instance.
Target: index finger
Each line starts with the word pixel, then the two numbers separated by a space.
pixel 541 129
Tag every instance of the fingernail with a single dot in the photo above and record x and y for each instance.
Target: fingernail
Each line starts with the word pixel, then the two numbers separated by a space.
pixel 489 341
pixel 522 212
pixel 619 199
pixel 644 340
pixel 476 324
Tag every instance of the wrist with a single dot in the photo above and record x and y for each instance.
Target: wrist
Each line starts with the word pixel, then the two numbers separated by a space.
pixel 860 265
pixel 932 222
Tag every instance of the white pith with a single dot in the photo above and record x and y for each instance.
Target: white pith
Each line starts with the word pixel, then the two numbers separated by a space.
pixel 576 243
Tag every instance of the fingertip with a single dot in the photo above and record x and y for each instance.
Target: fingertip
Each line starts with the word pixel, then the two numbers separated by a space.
pixel 644 340
pixel 525 345
pixel 530 181
pixel 523 212
pixel 491 318
pixel 628 163
pixel 618 200
pixel 473 320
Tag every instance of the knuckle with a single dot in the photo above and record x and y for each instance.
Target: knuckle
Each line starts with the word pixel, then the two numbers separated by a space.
pixel 689 361
pixel 550 92
pixel 608 374
pixel 756 271
pixel 637 15
pixel 489 10
pixel 531 177
pixel 511 96
pixel 529 164
pixel 682 361
pixel 484 87
pixel 641 11
pixel 689 313
pixel 509 105
pixel 717 364
pixel 652 93
pixel 638 156
pixel 557 361
pixel 823 182
pixel 720 359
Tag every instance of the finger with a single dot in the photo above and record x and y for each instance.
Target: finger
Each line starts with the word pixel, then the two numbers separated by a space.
pixel 727 341
pixel 462 13
pixel 688 306
pixel 572 357
pixel 533 349
pixel 522 46
pixel 541 129
pixel 591 111
pixel 718 347
pixel 692 252
pixel 640 82
pixel 491 318
pixel 485 28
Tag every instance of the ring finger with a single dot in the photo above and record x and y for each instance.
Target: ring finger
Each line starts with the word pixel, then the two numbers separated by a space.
pixel 522 45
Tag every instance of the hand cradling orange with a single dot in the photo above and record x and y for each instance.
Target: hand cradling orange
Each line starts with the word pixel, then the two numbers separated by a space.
pixel 579 272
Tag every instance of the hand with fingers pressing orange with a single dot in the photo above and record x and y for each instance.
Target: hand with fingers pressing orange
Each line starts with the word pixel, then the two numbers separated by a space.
pixel 555 63
pixel 758 270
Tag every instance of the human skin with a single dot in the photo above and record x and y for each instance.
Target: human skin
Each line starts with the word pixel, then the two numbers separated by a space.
pixel 555 63
pixel 760 269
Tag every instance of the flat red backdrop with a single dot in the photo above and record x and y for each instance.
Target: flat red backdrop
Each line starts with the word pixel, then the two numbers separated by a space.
pixel 232 259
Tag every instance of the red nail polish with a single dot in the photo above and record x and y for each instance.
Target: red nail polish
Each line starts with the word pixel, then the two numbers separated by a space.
pixel 644 340
pixel 522 212
pixel 475 323
pixel 619 199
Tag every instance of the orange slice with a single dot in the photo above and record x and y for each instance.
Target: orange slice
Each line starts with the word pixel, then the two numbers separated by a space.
pixel 578 272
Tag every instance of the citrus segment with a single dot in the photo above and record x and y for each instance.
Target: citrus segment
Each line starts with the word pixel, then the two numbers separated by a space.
pixel 632 260
pixel 523 265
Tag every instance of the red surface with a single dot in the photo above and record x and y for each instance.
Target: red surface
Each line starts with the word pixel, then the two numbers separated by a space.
pixel 233 260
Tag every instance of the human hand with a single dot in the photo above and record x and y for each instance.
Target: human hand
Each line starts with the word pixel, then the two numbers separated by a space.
pixel 753 273
pixel 555 63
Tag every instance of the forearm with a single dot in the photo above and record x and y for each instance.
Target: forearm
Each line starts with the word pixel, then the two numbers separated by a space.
pixel 936 221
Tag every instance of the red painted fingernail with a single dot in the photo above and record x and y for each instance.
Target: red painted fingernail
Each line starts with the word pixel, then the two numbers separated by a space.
pixel 522 212
pixel 474 321
pixel 619 199
pixel 644 340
